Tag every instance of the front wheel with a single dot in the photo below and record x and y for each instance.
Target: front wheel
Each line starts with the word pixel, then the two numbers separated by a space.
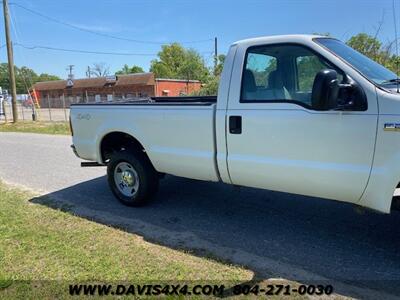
pixel 132 178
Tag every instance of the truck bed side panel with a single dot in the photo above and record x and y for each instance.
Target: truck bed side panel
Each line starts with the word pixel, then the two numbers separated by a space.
pixel 179 140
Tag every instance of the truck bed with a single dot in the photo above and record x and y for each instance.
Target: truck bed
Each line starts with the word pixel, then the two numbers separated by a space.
pixel 187 100
pixel 177 133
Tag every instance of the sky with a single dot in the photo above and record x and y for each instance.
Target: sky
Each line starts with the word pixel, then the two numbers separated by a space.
pixel 193 23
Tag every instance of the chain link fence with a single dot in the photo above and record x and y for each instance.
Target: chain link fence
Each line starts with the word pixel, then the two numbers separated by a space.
pixel 30 113
pixel 55 109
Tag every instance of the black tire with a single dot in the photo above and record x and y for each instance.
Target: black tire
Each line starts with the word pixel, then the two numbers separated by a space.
pixel 146 174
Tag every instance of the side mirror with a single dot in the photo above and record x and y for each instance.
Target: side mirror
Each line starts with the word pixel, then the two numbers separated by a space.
pixel 328 93
pixel 351 96
pixel 325 91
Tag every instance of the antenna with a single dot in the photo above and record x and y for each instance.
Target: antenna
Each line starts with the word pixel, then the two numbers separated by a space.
pixel 397 47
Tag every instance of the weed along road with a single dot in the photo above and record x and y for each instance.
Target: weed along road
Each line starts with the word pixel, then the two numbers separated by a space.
pixel 276 235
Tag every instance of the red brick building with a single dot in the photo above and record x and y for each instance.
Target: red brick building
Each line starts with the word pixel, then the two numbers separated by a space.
pixel 112 88
pixel 176 87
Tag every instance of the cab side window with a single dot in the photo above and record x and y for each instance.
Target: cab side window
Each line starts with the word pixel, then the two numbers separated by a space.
pixel 307 67
pixel 261 80
pixel 281 73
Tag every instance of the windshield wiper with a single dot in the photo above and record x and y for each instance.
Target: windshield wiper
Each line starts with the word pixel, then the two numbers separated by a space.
pixel 394 80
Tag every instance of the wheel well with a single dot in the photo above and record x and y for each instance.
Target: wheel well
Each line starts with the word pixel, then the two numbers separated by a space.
pixel 117 141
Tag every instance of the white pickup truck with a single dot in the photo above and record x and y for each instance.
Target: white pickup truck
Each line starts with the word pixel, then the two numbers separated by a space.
pixel 301 114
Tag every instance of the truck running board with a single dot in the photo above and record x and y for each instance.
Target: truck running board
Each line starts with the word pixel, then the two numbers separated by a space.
pixel 90 164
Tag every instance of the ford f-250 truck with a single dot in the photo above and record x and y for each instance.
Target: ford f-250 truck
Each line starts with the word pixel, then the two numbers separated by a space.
pixel 301 114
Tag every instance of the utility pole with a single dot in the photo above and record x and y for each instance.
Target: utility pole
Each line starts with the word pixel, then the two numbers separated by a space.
pixel 70 68
pixel 215 55
pixel 11 72
pixel 88 72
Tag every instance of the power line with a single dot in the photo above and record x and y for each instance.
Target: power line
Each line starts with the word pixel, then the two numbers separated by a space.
pixel 34 47
pixel 14 27
pixel 103 34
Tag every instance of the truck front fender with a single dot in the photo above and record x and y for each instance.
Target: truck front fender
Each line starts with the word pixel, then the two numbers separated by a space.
pixel 384 178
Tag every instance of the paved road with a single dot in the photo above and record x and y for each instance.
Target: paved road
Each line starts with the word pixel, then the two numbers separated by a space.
pixel 275 234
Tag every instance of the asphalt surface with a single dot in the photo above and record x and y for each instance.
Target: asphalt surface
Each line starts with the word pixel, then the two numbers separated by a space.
pixel 274 234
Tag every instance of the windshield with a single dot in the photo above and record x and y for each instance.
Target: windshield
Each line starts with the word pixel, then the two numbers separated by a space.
pixel 370 69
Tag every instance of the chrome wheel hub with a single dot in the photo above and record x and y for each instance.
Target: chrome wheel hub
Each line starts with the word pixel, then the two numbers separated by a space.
pixel 126 179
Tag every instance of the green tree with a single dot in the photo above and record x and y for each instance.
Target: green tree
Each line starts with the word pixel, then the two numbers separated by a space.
pixel 47 77
pixel 130 70
pixel 24 78
pixel 366 44
pixel 193 67
pixel 307 67
pixel 211 83
pixel 4 81
pixel 210 87
pixel 176 62
pixel 374 49
pixel 220 64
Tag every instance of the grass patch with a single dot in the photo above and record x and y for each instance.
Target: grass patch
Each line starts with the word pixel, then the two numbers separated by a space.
pixel 37 127
pixel 39 244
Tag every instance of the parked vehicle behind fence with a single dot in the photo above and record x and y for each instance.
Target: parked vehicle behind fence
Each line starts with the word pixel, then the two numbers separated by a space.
pixel 2 113
pixel 301 114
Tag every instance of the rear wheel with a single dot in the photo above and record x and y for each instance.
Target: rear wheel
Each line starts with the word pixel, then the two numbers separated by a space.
pixel 132 178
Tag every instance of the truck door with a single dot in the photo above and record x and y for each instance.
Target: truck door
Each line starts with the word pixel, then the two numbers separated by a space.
pixel 277 141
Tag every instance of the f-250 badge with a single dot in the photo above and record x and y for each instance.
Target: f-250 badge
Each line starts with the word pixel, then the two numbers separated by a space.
pixel 83 116
pixel 392 127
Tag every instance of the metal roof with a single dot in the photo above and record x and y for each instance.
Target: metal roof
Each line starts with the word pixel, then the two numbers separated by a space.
pixel 177 80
